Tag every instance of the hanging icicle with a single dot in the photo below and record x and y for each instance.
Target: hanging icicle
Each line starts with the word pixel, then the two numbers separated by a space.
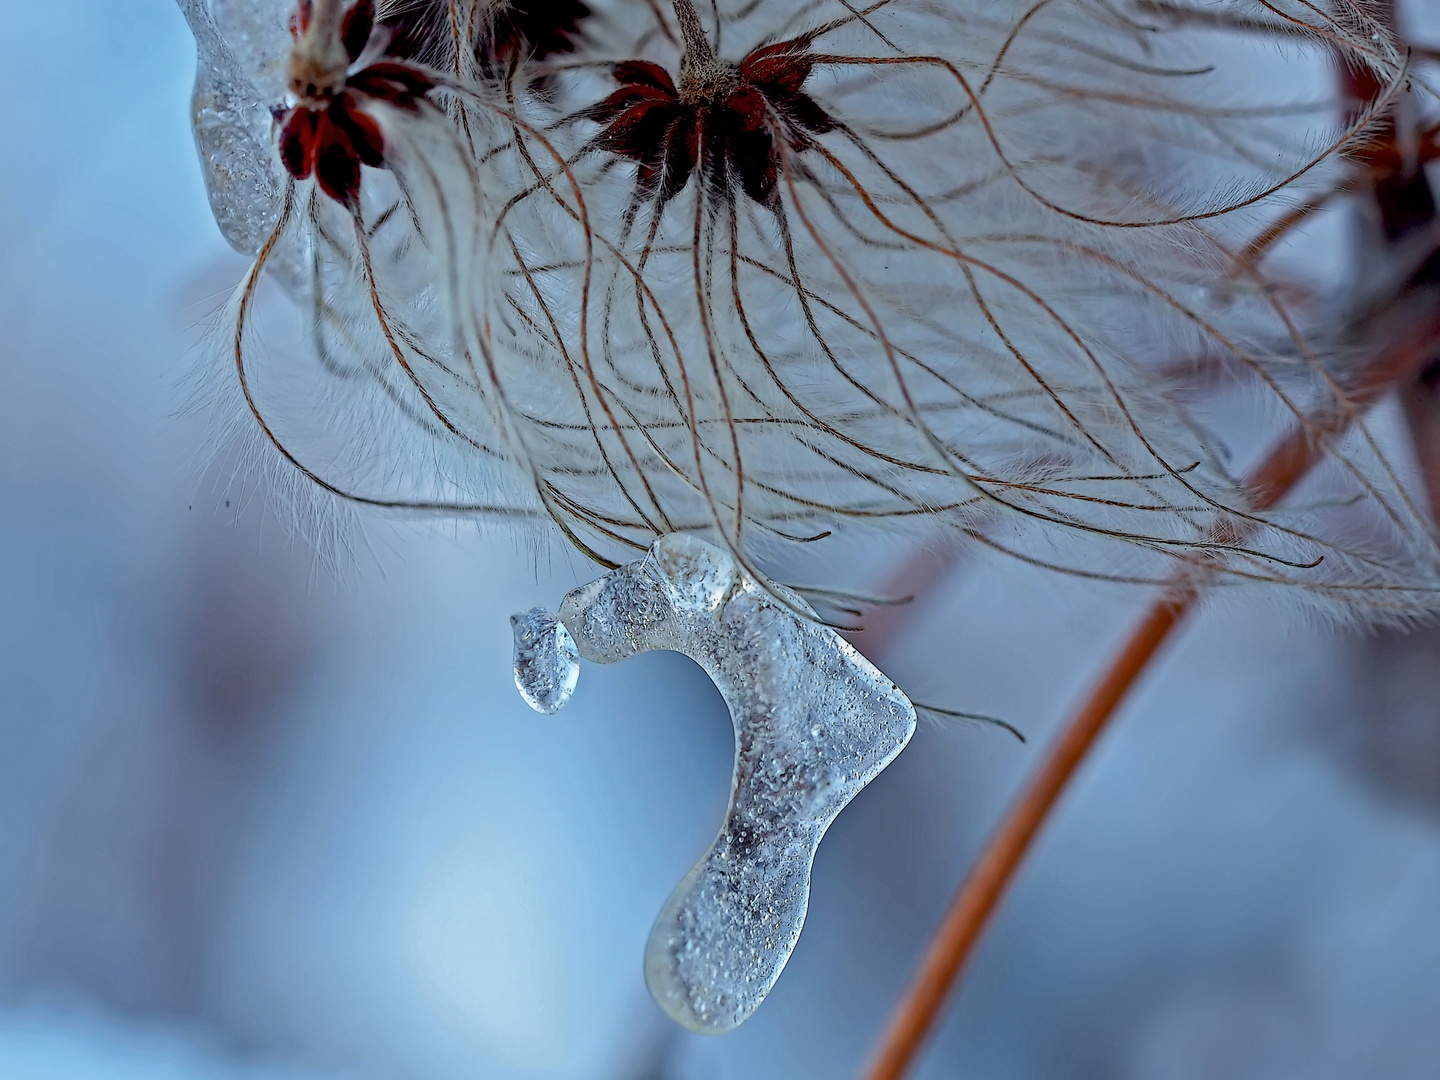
pixel 814 723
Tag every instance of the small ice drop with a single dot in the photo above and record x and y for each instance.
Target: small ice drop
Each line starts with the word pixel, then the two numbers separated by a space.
pixel 547 665
pixel 814 723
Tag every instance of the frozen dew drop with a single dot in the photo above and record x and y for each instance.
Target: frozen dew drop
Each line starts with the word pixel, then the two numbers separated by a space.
pixel 547 665
pixel 814 723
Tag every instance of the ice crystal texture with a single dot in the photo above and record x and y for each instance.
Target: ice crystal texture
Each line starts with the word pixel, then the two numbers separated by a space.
pixel 814 723
pixel 232 133
pixel 547 665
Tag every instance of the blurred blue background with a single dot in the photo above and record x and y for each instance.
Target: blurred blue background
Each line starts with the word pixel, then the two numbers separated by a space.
pixel 259 818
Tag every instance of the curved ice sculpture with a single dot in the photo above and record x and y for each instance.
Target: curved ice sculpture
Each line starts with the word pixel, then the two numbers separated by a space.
pixel 814 723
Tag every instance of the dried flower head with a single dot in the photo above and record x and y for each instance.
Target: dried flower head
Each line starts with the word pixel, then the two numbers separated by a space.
pixel 328 131
pixel 776 271
pixel 722 121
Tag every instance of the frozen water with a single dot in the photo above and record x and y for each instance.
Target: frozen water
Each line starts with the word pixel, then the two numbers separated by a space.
pixel 814 723
pixel 547 665
pixel 258 33
pixel 233 134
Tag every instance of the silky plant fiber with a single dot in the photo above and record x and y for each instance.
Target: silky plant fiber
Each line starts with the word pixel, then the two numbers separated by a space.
pixel 761 276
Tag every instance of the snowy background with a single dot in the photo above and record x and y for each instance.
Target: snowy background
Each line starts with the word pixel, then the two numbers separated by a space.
pixel 259 819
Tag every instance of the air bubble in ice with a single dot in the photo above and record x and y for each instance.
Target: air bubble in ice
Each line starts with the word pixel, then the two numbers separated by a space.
pixel 814 723
pixel 547 665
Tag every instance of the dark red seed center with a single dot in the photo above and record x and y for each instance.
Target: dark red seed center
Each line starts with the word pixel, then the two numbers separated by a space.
pixel 723 123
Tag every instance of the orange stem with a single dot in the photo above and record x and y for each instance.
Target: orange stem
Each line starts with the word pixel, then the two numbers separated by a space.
pixel 970 910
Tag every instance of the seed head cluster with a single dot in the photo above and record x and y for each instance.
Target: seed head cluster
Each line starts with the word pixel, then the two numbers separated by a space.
pixel 723 124
pixel 778 272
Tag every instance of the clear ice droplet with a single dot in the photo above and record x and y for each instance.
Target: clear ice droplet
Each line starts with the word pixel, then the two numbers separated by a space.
pixel 814 723
pixel 547 665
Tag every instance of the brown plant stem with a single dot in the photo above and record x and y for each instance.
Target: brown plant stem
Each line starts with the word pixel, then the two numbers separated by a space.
pixel 970 910
pixel 698 52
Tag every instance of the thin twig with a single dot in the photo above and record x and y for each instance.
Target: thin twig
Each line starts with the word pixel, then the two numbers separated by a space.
pixel 1286 465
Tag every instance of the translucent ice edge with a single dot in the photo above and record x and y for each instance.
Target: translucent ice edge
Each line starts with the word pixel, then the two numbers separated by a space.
pixel 814 723
pixel 232 134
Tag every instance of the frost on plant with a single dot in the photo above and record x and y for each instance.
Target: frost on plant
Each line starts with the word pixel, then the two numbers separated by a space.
pixel 814 723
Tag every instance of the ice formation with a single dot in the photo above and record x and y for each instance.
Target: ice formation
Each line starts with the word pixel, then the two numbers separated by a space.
pixel 547 665
pixel 232 133
pixel 814 723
